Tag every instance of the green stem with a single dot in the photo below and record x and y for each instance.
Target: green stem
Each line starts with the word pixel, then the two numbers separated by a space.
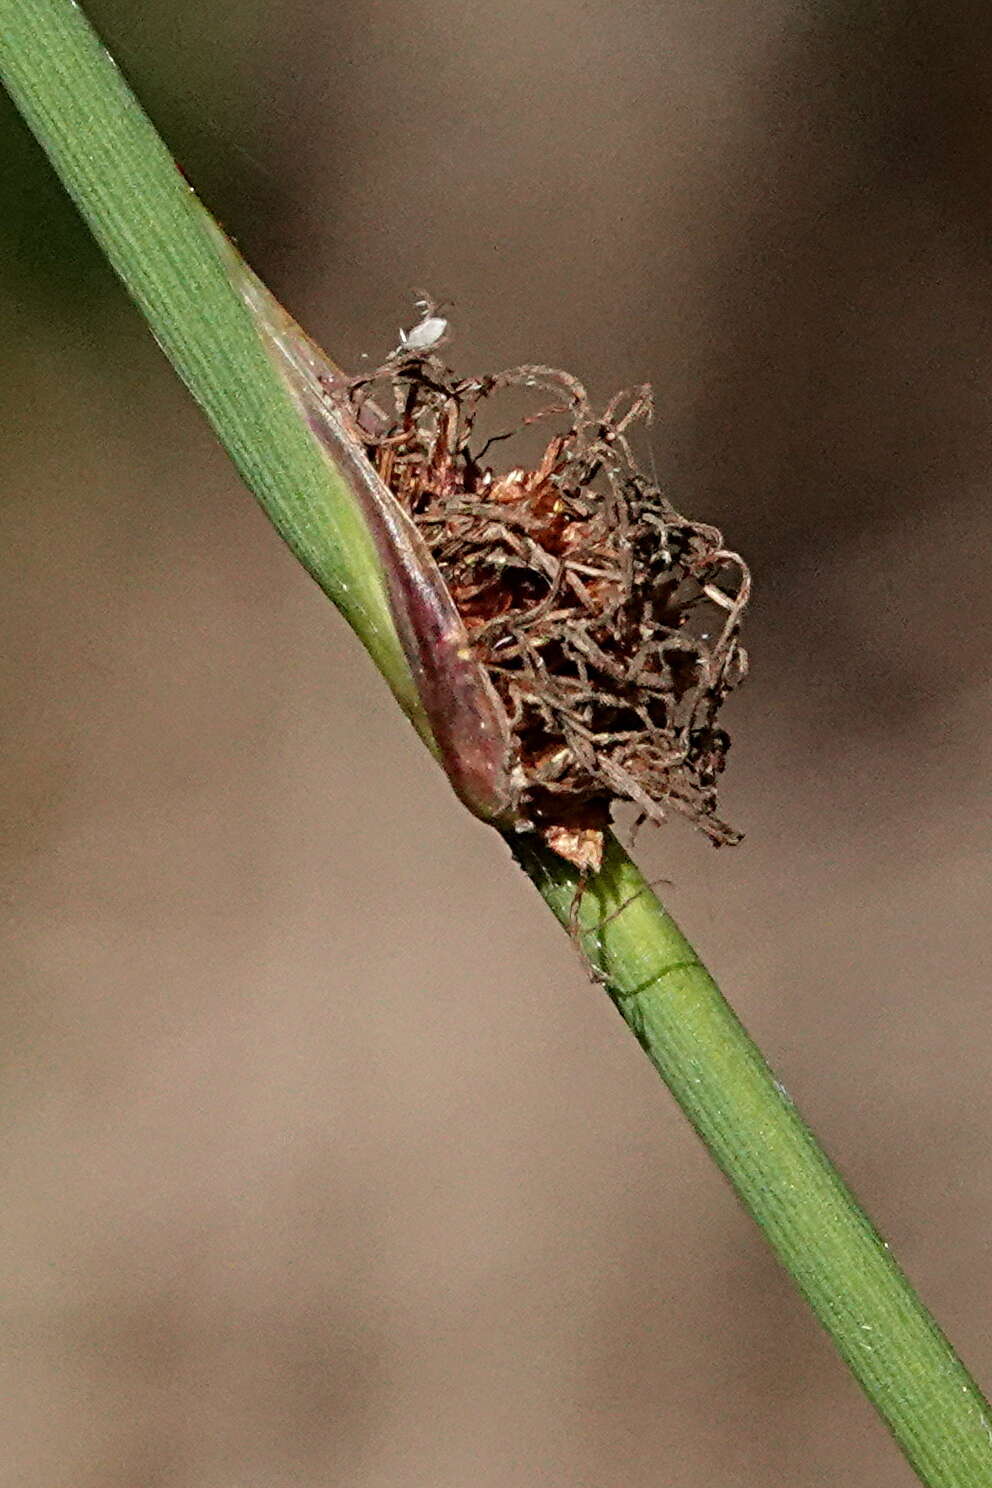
pixel 843 1268
pixel 161 243
pixel 164 246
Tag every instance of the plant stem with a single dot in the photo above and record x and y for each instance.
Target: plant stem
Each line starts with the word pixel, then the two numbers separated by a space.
pixel 748 1122
pixel 160 241
pixel 163 244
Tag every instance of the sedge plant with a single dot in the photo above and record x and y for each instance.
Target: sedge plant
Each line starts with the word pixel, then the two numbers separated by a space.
pixel 263 388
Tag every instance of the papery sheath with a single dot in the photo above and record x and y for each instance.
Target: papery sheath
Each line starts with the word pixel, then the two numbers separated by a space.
pixel 456 709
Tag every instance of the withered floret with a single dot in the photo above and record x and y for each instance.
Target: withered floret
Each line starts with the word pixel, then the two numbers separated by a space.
pixel 607 622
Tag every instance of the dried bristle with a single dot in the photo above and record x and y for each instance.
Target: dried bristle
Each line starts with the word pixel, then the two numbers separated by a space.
pixel 607 621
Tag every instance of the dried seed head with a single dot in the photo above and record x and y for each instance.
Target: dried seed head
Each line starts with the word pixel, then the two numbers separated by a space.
pixel 567 637
pixel 606 622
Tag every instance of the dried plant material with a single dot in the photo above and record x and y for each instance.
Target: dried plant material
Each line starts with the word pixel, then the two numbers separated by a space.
pixel 570 637
pixel 606 622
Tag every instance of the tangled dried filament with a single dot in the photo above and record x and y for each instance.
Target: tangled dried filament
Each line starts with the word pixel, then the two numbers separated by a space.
pixel 607 622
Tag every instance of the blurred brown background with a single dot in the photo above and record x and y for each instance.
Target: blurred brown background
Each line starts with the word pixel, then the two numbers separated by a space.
pixel 322 1162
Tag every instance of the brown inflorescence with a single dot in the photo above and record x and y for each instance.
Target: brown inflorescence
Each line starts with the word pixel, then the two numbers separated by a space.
pixel 607 622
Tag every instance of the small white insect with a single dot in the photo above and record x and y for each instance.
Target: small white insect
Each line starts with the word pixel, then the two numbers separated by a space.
pixel 424 335
pixel 429 331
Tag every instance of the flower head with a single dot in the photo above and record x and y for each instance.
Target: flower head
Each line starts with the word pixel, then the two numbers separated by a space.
pixel 570 637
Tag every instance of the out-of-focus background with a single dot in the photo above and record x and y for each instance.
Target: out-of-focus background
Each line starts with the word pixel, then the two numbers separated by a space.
pixel 322 1162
